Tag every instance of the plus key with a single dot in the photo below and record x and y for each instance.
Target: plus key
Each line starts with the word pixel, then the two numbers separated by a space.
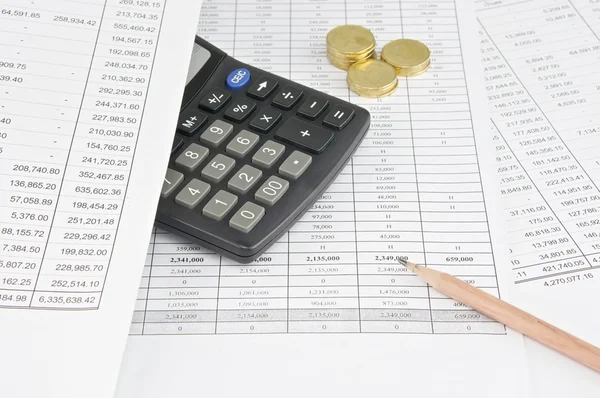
pixel 304 135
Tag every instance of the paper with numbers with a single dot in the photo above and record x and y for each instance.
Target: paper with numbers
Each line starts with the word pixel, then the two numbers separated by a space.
pixel 328 310
pixel 89 92
pixel 543 89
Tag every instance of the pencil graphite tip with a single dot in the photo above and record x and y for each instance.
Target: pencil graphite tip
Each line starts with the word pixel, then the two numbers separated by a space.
pixel 408 264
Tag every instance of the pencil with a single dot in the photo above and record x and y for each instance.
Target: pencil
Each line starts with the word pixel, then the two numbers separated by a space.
pixel 509 315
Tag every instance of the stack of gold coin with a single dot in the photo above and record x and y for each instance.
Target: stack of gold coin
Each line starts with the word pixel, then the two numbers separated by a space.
pixel 372 78
pixel 409 57
pixel 349 44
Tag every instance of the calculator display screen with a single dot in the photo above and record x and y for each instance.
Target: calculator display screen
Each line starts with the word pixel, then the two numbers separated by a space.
pixel 200 56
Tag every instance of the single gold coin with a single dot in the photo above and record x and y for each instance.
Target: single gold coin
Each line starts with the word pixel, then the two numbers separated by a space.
pixel 409 57
pixel 350 40
pixel 372 78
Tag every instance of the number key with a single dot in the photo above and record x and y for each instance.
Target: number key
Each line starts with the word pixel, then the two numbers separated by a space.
pixel 216 133
pixel 191 157
pixel 192 194
pixel 268 154
pixel 244 179
pixel 242 144
pixel 218 168
pixel 272 190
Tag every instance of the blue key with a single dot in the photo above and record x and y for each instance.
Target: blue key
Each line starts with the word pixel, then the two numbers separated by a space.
pixel 238 78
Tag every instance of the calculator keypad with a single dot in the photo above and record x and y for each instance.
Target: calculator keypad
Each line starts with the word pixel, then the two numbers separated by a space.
pixel 218 168
pixel 242 143
pixel 244 179
pixel 242 163
pixel 191 157
pixel 268 154
pixel 192 193
pixel 219 205
pixel 216 133
pixel 239 109
pixel 246 218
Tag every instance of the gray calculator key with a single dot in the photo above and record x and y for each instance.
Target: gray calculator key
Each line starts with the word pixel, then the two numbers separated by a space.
pixel 216 133
pixel 191 157
pixel 272 190
pixel 192 193
pixel 268 154
pixel 242 143
pixel 217 168
pixel 295 165
pixel 219 205
pixel 172 180
pixel 246 218
pixel 244 179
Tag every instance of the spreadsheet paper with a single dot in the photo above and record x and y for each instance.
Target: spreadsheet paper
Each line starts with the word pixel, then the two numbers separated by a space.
pixel 543 89
pixel 329 307
pixel 82 125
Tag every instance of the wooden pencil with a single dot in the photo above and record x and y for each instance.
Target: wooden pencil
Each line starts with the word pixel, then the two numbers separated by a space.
pixel 509 315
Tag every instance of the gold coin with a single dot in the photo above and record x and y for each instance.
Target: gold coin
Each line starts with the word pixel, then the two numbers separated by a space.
pixel 350 40
pixel 372 78
pixel 409 57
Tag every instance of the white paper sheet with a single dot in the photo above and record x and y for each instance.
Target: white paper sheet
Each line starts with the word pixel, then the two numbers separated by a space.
pixel 89 92
pixel 415 187
pixel 544 89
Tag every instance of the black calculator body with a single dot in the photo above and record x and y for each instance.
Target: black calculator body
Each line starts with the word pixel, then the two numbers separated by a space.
pixel 252 153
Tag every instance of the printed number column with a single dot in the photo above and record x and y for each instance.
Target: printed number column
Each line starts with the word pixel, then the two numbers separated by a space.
pixel 386 201
pixel 253 298
pixel 323 285
pixel 454 219
pixel 34 144
pixel 77 256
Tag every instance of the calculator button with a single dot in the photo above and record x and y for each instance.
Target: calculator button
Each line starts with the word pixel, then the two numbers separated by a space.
pixel 190 121
pixel 192 193
pixel 262 88
pixel 239 110
pixel 265 120
pixel 304 135
pixel 217 168
pixel 244 179
pixel 268 154
pixel 312 107
pixel 338 117
pixel 214 100
pixel 287 97
pixel 216 133
pixel 241 144
pixel 219 205
pixel 295 165
pixel 172 180
pixel 177 143
pixel 191 157
pixel 238 78
pixel 246 218
pixel 272 190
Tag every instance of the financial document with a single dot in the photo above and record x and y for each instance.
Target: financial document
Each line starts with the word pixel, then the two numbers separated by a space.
pixel 84 107
pixel 543 89
pixel 417 186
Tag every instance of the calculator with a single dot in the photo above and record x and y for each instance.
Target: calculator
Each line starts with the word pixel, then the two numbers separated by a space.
pixel 252 153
